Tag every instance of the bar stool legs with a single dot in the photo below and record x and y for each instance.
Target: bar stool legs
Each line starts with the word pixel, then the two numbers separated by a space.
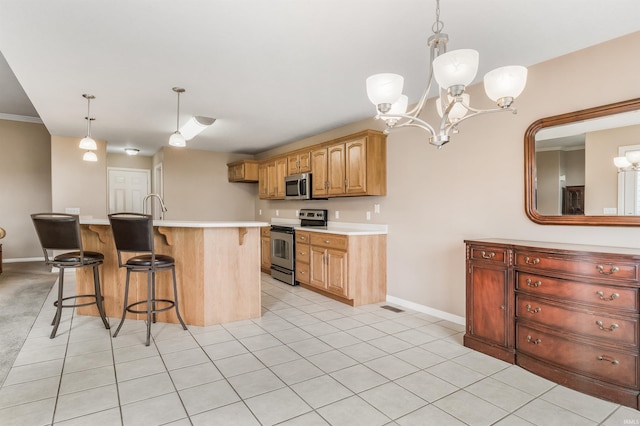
pixel 151 307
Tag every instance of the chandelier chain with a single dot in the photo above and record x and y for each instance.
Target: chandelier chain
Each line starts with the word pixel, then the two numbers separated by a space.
pixel 438 25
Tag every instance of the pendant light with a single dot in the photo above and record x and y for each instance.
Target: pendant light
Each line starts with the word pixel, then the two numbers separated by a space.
pixel 176 138
pixel 87 142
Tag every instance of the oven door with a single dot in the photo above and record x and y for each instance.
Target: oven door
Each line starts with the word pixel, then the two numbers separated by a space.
pixel 282 250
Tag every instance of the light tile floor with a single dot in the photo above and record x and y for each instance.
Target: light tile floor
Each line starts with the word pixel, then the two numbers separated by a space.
pixel 307 361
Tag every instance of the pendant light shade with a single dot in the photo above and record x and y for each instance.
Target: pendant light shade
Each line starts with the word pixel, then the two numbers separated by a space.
pixel 176 139
pixel 88 143
pixel 90 156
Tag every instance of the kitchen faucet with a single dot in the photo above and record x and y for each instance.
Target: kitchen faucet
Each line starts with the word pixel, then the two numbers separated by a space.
pixel 162 206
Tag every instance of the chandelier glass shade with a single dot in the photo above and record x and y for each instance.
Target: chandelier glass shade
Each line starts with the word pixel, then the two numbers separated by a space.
pixel 629 162
pixel 453 71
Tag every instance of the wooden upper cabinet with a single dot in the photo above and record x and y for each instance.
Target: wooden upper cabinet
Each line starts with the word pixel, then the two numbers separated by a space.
pixel 243 171
pixel 298 163
pixel 319 172
pixel 271 176
pixel 351 166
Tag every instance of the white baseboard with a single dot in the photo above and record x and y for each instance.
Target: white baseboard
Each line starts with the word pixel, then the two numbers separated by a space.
pixel 427 310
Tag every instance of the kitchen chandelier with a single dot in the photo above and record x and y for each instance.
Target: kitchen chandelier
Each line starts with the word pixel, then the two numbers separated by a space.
pixel 453 71
pixel 88 142
pixel 176 138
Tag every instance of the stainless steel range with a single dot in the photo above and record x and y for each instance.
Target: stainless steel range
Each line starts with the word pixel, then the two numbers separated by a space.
pixel 283 244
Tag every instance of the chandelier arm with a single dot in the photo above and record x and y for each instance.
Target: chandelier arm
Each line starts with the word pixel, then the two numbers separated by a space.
pixel 410 122
pixel 475 113
pixel 423 99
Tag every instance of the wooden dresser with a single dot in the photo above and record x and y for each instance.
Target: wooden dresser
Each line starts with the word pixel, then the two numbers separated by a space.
pixel 568 313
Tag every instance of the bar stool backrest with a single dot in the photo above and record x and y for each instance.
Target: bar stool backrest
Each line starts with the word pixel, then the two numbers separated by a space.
pixel 58 231
pixel 132 232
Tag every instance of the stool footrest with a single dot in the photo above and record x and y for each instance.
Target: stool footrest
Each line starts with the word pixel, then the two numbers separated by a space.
pixel 77 305
pixel 153 311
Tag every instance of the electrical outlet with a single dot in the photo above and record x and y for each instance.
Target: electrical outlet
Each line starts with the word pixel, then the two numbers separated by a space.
pixel 260 212
pixel 296 213
pixel 376 208
pixel 72 210
pixel 337 214
pixel 277 212
pixel 368 215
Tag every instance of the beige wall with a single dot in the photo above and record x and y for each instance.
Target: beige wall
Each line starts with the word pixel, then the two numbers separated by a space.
pixel 474 186
pixel 130 161
pixel 76 183
pixel 196 187
pixel 25 185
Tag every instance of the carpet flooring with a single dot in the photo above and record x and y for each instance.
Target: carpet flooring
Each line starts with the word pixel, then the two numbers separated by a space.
pixel 23 289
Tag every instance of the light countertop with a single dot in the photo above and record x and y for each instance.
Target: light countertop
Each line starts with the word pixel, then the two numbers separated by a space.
pixel 186 223
pixel 342 228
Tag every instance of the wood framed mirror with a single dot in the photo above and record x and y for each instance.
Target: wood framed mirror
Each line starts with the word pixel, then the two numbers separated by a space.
pixel 570 177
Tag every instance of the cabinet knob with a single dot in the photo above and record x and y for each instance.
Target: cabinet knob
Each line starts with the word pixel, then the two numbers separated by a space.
pixel 327 241
pixel 302 253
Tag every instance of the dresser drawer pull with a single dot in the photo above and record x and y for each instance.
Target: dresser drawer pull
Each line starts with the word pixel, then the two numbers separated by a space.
pixel 612 269
pixel 530 261
pixel 533 311
pixel 611 328
pixel 533 284
pixel 608 359
pixel 532 341
pixel 614 296
pixel 489 255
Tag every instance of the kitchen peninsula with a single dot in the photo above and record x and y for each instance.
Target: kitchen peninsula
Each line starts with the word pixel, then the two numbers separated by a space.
pixel 217 269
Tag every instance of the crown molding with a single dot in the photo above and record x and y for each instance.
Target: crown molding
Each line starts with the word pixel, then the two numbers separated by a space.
pixel 13 117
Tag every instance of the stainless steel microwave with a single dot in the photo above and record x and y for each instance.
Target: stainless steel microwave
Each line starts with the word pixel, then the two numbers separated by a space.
pixel 297 187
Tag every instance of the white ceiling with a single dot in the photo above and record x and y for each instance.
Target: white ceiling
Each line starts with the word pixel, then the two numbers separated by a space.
pixel 270 71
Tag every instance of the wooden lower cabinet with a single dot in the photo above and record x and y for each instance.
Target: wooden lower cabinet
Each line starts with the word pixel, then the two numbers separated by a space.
pixel 265 249
pixel 571 313
pixel 348 268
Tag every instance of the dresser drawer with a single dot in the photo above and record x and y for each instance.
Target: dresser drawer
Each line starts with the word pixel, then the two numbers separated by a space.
pixel 302 237
pixel 329 240
pixel 619 298
pixel 590 360
pixel 302 272
pixel 596 325
pixel 591 267
pixel 302 253
pixel 492 254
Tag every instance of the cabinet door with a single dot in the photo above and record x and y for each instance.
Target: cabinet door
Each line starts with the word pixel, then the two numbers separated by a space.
pixel 337 272
pixel 280 173
pixel 335 169
pixel 304 163
pixel 319 172
pixel 356 167
pixel 318 273
pixel 293 164
pixel 487 303
pixel 263 181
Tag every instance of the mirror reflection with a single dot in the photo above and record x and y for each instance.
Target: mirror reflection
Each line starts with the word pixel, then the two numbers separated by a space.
pixel 584 167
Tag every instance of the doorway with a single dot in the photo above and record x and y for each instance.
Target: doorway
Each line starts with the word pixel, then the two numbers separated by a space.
pixel 127 189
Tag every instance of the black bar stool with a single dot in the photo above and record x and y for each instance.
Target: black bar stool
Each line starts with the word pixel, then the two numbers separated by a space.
pixel 61 231
pixel 133 232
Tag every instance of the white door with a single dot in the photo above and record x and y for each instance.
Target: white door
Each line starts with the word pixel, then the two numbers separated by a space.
pixel 127 189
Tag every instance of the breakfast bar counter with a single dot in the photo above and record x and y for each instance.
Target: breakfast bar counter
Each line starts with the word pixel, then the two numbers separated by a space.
pixel 217 268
